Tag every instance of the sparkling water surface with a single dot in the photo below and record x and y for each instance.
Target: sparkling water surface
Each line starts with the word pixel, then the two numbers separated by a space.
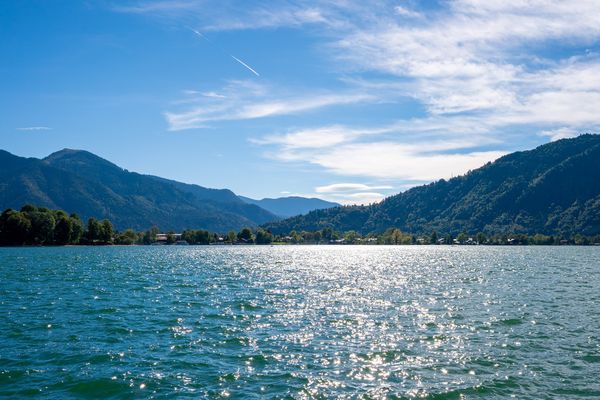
pixel 300 322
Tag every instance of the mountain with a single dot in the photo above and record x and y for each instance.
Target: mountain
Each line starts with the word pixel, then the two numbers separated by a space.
pixel 553 189
pixel 81 182
pixel 290 206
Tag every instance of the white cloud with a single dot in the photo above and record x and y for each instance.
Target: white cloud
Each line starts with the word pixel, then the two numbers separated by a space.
pixel 414 151
pixel 319 137
pixel 228 15
pixel 348 197
pixel 405 12
pixel 213 95
pixel 349 187
pixel 389 160
pixel 241 100
pixel 34 128
pixel 560 133
pixel 470 59
pixel 156 6
pixel 484 71
pixel 360 198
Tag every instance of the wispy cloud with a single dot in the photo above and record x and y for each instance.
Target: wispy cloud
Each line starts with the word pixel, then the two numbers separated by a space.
pixel 560 133
pixel 227 15
pixel 470 59
pixel 156 6
pixel 241 100
pixel 407 12
pixel 407 162
pixel 411 152
pixel 354 193
pixel 35 128
pixel 487 74
pixel 319 137
pixel 361 194
pixel 389 160
pixel 349 187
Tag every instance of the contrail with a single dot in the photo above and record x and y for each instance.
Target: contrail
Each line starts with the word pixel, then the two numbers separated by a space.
pixel 245 65
pixel 199 34
pixel 232 56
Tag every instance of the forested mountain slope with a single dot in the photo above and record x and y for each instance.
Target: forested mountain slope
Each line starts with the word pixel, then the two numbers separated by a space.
pixel 553 189
pixel 83 183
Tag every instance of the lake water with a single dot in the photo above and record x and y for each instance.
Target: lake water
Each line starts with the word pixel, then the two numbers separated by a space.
pixel 300 322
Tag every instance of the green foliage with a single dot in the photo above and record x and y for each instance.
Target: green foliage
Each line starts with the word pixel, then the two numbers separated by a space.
pixel 551 190
pixel 200 236
pixel 231 236
pixel 93 230
pixel 263 237
pixel 63 230
pixel 245 235
pixel 351 237
pixel 76 229
pixel 42 226
pixel 39 226
pixel 171 238
pixel 28 208
pixel 90 186
pixel 434 238
pixel 106 232
pixel 128 237
pixel 15 227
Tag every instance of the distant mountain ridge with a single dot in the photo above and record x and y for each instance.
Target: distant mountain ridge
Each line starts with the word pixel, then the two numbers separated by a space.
pixel 81 182
pixel 553 189
pixel 291 205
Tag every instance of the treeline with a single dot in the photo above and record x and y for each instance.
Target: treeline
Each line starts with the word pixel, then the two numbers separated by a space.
pixel 394 236
pixel 41 226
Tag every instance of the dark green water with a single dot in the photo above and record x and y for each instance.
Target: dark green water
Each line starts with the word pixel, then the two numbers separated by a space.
pixel 305 322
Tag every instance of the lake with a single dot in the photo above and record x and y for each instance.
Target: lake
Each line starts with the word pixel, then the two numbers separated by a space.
pixel 300 322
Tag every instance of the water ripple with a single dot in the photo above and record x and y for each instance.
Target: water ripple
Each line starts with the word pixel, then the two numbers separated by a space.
pixel 305 322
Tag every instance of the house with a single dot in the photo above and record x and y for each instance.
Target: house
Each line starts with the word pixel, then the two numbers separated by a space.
pixel 164 237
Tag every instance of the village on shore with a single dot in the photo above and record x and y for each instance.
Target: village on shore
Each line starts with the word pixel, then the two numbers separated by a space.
pixel 39 226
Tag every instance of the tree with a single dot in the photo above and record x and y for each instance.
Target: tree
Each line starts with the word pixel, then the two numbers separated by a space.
pixel 317 236
pixel 93 230
pixel 128 237
pixel 150 235
pixel 481 238
pixel 171 238
pixel 350 237
pixel 106 232
pixel 245 235
pixel 434 238
pixel 231 237
pixel 581 240
pixel 76 229
pixel 327 233
pixel 42 226
pixel 28 208
pixel 396 236
pixel 296 237
pixel 263 237
pixel 63 230
pixel 16 227
pixel 449 239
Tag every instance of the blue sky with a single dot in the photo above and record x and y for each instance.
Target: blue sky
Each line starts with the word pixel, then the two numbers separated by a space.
pixel 349 101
